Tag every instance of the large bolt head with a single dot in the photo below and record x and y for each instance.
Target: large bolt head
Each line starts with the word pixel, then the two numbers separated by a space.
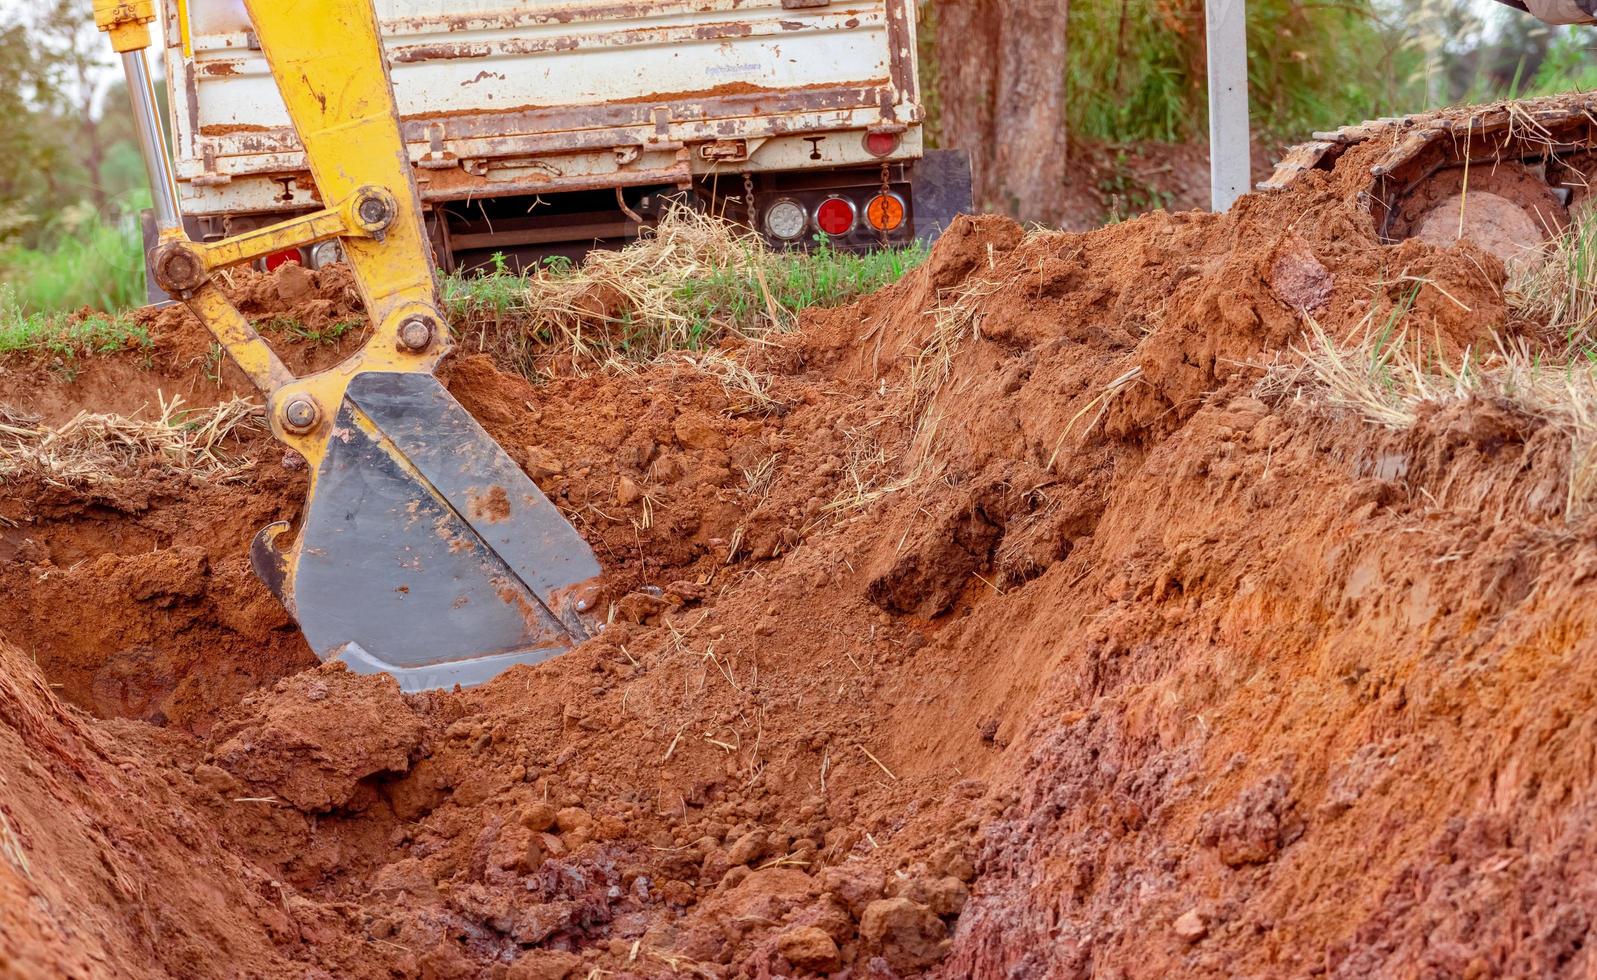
pixel 374 211
pixel 300 414
pixel 177 268
pixel 416 334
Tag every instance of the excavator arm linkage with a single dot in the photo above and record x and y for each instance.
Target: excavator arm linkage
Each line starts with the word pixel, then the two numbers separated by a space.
pixel 424 551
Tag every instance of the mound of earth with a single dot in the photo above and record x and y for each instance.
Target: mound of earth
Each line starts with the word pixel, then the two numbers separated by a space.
pixel 1015 629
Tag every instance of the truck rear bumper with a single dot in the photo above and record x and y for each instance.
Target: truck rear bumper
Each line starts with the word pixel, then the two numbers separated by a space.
pixel 520 231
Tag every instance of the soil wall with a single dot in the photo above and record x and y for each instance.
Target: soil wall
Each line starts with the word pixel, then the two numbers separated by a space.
pixel 1029 625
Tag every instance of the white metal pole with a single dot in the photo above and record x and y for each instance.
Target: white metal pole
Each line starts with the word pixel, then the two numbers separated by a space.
pixel 1230 148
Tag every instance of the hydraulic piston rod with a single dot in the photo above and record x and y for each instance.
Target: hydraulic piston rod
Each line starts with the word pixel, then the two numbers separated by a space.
pixel 152 143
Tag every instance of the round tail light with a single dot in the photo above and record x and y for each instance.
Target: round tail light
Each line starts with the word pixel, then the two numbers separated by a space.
pixel 785 220
pixel 885 212
pixel 278 259
pixel 324 254
pixel 881 144
pixel 835 216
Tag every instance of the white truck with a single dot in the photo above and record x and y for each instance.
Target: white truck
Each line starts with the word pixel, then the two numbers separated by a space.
pixel 539 127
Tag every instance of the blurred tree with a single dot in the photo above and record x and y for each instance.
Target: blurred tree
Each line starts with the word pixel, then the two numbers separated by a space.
pixel 66 138
pixel 1001 88
pixel 65 30
pixel 32 157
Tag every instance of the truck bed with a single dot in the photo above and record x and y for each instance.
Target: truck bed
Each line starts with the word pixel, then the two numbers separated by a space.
pixel 544 95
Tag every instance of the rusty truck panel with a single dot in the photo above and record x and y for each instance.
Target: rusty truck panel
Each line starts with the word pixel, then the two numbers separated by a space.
pixel 503 98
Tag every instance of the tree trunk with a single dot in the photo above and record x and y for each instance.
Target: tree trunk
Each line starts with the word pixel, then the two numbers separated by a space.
pixel 1001 74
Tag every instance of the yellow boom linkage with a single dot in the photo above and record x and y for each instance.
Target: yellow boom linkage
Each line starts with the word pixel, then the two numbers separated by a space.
pixel 424 551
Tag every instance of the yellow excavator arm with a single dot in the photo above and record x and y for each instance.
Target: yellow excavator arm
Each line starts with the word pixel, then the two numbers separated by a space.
pixel 424 552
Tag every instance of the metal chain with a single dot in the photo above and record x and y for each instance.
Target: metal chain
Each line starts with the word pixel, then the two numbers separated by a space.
pixel 884 192
pixel 748 196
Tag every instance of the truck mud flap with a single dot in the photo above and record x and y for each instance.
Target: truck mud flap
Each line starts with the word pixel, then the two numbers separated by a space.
pixel 941 189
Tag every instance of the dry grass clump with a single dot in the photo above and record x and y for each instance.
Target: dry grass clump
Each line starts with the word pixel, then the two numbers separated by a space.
pixel 95 449
pixel 1561 289
pixel 748 390
pixel 1386 375
pixel 689 284
pixel 1385 372
pixel 634 304
pixel 955 320
pixel 646 291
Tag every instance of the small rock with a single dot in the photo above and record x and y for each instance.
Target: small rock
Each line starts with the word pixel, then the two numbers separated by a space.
pixel 947 896
pixel 749 848
pixel 694 431
pixel 640 608
pixel 542 464
pixel 957 864
pixel 293 282
pixel 855 887
pixel 538 817
pixel 544 964
pixel 528 855
pixel 1191 927
pixel 573 819
pixel 627 491
pixel 678 893
pixel 809 949
pixel 906 934
pixel 1300 280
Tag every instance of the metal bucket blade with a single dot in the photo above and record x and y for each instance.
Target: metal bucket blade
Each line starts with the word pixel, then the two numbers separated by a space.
pixel 425 552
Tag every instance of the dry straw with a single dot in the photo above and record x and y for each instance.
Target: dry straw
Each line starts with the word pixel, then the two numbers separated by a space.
pixel 652 297
pixel 1387 377
pixel 94 449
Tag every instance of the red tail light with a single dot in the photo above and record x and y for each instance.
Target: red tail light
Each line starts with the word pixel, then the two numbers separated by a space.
pixel 835 216
pixel 284 257
pixel 881 144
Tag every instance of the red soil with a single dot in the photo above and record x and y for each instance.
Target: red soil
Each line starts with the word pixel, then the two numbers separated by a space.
pixel 1076 653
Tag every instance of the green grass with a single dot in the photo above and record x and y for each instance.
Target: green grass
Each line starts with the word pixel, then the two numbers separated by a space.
pixel 734 298
pixel 691 284
pixel 1312 66
pixel 329 334
pixel 65 334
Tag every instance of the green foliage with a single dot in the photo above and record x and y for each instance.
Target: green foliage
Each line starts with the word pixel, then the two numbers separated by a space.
pixel 692 283
pixel 725 297
pixel 828 277
pixel 1127 193
pixel 1129 73
pixel 1568 65
pixel 1139 68
pixel 66 136
pixel 90 262
pixel 733 297
pixel 494 291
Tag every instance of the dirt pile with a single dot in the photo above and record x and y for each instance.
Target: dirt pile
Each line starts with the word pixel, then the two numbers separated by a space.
pixel 1014 622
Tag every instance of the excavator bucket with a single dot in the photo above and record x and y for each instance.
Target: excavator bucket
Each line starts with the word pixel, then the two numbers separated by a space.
pixel 424 551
